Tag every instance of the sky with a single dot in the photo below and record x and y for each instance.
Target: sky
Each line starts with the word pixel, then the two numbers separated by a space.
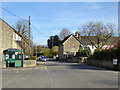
pixel 49 18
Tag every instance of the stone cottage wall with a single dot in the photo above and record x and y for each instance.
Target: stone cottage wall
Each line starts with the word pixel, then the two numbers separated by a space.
pixel 7 36
pixel 69 42
pixel 0 41
pixel 16 45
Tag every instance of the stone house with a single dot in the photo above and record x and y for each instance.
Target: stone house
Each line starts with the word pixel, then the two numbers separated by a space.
pixel 10 38
pixel 69 46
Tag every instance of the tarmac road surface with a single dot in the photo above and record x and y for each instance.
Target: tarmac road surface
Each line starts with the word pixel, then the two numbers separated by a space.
pixel 55 74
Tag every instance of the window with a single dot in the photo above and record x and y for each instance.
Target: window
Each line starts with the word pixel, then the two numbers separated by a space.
pixel 14 36
pixel 13 56
pixel 6 56
pixel 72 46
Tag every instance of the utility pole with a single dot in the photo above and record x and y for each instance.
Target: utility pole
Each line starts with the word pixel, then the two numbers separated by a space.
pixel 36 50
pixel 29 36
pixel 52 41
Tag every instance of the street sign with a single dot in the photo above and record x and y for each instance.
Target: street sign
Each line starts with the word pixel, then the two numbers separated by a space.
pixel 115 61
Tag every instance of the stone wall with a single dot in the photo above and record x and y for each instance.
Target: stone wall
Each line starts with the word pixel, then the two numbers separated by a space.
pixel 0 40
pixel 76 59
pixel 29 63
pixel 73 59
pixel 7 36
pixel 2 64
pixel 108 64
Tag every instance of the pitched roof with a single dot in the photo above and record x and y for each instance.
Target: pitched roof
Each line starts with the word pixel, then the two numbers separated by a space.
pixel 11 49
pixel 85 40
pixel 68 37
pixel 65 38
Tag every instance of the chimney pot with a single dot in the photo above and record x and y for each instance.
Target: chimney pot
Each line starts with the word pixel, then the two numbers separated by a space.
pixel 79 36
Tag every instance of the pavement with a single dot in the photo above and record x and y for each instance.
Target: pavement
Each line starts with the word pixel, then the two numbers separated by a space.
pixel 56 74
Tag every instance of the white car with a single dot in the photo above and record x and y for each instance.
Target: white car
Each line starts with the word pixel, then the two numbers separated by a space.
pixel 43 58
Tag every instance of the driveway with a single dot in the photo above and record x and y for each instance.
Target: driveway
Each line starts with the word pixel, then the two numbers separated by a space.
pixel 55 74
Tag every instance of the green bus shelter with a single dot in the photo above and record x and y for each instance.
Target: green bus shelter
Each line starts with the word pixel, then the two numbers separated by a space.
pixel 13 57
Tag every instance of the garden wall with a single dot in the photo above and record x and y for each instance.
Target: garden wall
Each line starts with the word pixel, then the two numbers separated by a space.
pixel 29 63
pixel 2 64
pixel 76 59
pixel 108 64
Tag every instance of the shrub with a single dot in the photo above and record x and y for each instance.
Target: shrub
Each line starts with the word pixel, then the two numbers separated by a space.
pixel 110 53
pixel 47 52
pixel 54 51
pixel 79 53
pixel 83 53
pixel 114 53
pixel 99 53
pixel 31 58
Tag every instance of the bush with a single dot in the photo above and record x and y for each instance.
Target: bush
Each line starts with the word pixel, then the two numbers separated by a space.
pixel 99 53
pixel 107 53
pixel 47 52
pixel 83 53
pixel 114 53
pixel 31 58
pixel 54 51
pixel 80 51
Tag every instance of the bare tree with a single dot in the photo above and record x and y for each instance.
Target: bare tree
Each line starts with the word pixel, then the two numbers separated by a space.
pixel 98 33
pixel 64 33
pixel 22 28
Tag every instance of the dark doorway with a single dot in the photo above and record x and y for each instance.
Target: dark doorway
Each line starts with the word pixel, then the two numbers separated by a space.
pixel 11 64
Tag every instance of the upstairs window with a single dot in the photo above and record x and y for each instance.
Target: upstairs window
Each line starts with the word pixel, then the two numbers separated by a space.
pixel 72 46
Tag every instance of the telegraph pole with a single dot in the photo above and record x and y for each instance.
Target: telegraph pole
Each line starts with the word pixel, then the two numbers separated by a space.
pixel 36 50
pixel 29 36
pixel 52 41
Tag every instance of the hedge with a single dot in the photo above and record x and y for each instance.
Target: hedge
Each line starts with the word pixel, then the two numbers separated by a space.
pixel 31 58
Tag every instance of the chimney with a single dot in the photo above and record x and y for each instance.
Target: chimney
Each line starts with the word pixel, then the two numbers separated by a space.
pixel 25 37
pixel 77 34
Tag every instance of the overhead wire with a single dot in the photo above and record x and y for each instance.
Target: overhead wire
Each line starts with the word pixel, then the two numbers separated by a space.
pixel 23 19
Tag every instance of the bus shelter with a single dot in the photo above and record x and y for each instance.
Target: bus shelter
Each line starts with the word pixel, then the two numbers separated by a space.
pixel 13 57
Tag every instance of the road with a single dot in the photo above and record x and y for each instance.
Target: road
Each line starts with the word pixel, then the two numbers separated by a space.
pixel 54 74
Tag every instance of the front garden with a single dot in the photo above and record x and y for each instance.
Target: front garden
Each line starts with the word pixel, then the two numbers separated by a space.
pixel 104 57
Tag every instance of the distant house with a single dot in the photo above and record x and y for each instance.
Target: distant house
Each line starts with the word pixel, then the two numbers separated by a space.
pixel 87 43
pixel 10 38
pixel 69 46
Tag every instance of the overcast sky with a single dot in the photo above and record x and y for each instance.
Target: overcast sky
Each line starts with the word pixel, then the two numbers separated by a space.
pixel 50 17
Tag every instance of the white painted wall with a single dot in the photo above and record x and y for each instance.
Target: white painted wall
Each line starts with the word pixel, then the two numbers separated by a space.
pixel 16 37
